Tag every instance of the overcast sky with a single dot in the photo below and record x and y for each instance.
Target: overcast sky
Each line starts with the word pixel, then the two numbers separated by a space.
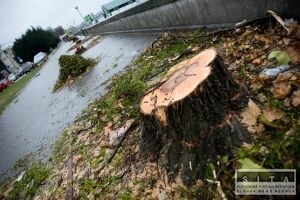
pixel 18 15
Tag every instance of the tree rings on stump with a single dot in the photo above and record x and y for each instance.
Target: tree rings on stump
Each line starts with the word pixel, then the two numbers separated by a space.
pixel 188 120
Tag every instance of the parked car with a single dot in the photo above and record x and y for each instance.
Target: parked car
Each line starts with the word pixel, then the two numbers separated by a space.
pixel 12 77
pixel 21 72
pixel 25 68
pixel 17 75
pixel 40 58
pixel 2 87
pixel 5 84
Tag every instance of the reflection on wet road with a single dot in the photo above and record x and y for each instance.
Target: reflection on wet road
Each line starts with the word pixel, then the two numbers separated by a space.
pixel 36 119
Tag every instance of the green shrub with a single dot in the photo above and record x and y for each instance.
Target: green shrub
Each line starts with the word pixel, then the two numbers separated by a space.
pixel 71 66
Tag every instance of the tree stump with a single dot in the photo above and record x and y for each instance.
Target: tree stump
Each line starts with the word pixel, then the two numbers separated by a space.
pixel 188 120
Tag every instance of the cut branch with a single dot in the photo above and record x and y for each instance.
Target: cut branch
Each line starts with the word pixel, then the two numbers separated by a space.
pixel 70 178
pixel 122 132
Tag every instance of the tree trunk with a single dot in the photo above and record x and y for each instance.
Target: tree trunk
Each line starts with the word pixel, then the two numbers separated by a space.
pixel 188 120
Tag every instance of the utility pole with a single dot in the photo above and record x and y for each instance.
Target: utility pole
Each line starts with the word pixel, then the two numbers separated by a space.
pixel 76 7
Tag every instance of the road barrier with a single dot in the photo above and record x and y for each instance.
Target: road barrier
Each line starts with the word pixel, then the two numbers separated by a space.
pixel 161 15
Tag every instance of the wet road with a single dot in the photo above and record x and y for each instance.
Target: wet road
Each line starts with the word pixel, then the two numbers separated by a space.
pixel 37 116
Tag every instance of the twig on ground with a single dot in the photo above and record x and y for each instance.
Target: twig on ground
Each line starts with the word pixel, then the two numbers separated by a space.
pixel 128 126
pixel 70 178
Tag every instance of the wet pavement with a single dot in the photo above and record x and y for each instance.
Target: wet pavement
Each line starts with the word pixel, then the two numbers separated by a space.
pixel 37 117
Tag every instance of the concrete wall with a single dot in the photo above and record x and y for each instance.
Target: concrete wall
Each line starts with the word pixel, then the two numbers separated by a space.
pixel 159 15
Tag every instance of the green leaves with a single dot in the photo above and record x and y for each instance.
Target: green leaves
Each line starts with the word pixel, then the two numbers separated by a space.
pixel 209 171
pixel 225 159
pixel 281 57
pixel 247 163
pixel 34 40
pixel 72 66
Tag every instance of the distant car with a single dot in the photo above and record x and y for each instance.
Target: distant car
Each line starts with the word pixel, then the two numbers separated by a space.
pixel 12 77
pixel 5 84
pixel 21 72
pixel 25 68
pixel 17 75
pixel 2 87
pixel 39 58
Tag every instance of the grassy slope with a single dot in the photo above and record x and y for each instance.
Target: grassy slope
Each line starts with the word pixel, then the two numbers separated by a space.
pixel 8 95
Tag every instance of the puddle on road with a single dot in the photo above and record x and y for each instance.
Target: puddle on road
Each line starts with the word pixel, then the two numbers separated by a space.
pixel 36 119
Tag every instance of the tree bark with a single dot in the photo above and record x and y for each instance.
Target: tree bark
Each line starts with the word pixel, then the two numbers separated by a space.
pixel 189 119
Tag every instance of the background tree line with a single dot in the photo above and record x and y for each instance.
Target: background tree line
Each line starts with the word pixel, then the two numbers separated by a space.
pixel 36 40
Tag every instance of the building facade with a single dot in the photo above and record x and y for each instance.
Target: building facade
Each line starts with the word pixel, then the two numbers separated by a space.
pixel 8 59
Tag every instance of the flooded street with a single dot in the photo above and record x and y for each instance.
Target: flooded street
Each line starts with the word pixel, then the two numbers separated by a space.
pixel 37 116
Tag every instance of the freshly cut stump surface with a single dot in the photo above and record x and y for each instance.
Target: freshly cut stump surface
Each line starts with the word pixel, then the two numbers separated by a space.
pixel 189 119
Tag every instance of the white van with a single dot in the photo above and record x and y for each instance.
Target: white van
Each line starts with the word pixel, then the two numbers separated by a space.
pixel 39 58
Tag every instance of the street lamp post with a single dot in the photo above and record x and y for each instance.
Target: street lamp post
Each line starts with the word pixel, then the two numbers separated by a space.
pixel 76 7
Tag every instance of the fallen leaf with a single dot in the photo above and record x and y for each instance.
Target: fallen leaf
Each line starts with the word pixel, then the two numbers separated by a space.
pixel 262 98
pixel 286 41
pixel 120 103
pixel 247 145
pixel 287 102
pixel 294 28
pixel 296 98
pixel 257 61
pixel 272 114
pixel 260 128
pixel 294 53
pixel 96 153
pixel 265 121
pixel 262 38
pixel 83 137
pixel 250 114
pixel 256 82
pixel 265 39
pixel 248 164
pixel 80 173
pixel 283 77
pixel 108 128
pixel 77 159
pixel 281 90
pixel 266 47
pixel 289 133
pixel 281 57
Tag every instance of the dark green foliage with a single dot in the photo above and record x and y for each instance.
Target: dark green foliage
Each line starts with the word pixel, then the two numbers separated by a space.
pixel 71 66
pixel 59 31
pixel 34 41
